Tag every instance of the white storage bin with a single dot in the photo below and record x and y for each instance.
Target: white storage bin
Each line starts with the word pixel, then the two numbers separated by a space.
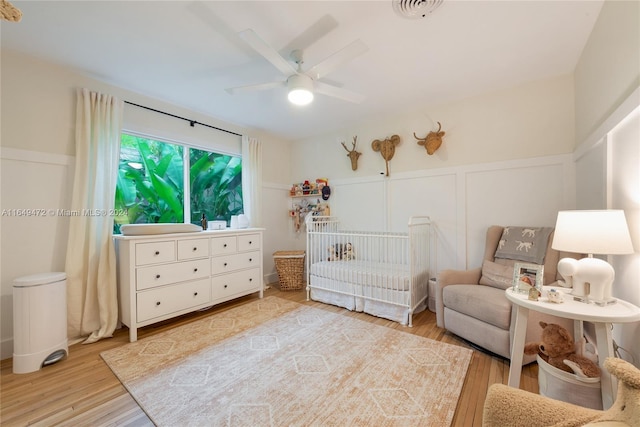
pixel 560 385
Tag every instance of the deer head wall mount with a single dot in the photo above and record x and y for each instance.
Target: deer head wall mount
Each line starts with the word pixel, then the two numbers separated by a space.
pixel 387 149
pixel 432 141
pixel 353 154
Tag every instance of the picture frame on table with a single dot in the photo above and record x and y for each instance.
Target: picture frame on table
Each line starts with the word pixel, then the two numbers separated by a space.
pixel 527 276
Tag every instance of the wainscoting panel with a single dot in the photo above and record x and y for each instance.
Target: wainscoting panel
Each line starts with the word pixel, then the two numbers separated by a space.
pixel 36 194
pixel 522 195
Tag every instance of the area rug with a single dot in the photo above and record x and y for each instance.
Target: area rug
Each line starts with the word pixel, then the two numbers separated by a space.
pixel 274 362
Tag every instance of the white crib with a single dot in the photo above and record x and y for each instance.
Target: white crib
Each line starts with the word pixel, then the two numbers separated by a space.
pixel 385 274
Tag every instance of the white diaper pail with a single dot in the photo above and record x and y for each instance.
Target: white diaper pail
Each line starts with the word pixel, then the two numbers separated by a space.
pixel 39 321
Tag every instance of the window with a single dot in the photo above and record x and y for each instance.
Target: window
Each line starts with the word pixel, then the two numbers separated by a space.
pixel 152 185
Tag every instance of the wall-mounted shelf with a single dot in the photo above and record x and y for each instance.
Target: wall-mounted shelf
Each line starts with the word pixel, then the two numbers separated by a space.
pixel 309 203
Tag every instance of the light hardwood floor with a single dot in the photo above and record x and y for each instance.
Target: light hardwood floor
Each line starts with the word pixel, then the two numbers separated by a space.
pixel 82 391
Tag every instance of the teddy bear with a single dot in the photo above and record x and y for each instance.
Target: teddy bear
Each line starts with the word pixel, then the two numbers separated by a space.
pixel 557 348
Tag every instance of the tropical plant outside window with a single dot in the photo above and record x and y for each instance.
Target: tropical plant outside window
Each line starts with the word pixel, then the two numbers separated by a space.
pixel 151 185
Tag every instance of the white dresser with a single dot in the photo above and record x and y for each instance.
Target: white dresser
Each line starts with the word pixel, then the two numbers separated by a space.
pixel 166 275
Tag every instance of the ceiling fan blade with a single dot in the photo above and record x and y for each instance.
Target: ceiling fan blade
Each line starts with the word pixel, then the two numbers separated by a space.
pixel 315 32
pixel 269 53
pixel 251 88
pixel 339 58
pixel 337 92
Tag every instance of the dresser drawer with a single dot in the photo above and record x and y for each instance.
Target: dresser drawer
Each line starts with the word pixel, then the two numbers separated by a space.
pixel 155 252
pixel 248 242
pixel 229 263
pixel 223 245
pixel 230 284
pixel 159 275
pixel 168 299
pixel 193 248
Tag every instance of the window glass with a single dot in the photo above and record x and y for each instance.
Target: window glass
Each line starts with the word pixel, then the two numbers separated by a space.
pixel 216 185
pixel 151 185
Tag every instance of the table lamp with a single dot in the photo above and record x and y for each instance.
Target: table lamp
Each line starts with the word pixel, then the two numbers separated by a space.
pixel 602 232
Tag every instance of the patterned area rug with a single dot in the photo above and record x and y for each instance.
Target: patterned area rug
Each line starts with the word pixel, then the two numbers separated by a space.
pixel 274 362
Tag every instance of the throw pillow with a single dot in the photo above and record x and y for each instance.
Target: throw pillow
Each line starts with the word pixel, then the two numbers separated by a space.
pixel 496 275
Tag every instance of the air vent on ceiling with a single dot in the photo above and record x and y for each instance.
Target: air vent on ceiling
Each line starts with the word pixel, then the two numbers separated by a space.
pixel 415 9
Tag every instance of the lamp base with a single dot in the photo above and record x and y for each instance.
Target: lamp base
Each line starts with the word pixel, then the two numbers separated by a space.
pixel 605 302
pixel 581 298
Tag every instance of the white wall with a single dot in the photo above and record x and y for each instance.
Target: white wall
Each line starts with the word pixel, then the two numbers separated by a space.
pixel 607 87
pixel 37 160
pixel 505 159
pixel 609 68
pixel 531 120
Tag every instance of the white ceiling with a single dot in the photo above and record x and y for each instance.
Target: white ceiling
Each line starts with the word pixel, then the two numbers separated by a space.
pixel 188 52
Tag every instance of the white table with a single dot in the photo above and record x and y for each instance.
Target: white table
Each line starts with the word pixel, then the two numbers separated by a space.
pixel 601 317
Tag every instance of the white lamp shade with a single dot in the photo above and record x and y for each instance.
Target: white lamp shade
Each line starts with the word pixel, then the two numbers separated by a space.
pixel 300 89
pixel 603 232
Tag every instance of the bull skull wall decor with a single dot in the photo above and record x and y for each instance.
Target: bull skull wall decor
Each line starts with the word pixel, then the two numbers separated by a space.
pixel 432 141
pixel 387 148
pixel 353 154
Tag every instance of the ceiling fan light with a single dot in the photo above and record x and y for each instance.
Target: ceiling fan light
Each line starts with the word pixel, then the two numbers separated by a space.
pixel 300 96
pixel 300 89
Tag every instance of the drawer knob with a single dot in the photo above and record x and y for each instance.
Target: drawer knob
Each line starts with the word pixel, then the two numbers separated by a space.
pixel 195 270
pixel 225 286
pixel 195 294
pixel 157 276
pixel 195 249
pixel 250 259
pixel 158 303
pixel 224 246
pixel 250 279
pixel 250 242
pixel 225 264
pixel 157 252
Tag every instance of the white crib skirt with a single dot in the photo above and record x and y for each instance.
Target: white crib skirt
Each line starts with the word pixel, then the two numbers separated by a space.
pixel 345 295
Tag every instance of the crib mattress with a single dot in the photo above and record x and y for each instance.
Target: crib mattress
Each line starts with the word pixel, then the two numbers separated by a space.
pixel 383 275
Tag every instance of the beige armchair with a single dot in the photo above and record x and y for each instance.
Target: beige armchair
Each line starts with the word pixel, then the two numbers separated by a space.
pixel 472 303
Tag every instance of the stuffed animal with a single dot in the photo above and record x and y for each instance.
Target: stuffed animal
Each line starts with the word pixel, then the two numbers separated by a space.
pixel 625 411
pixel 347 253
pixel 557 348
pixel 341 251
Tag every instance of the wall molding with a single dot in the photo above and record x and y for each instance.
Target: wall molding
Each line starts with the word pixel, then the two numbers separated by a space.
pixel 16 154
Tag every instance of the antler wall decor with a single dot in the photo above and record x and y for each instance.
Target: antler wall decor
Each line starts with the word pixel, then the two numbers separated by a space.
pixel 387 148
pixel 353 154
pixel 432 141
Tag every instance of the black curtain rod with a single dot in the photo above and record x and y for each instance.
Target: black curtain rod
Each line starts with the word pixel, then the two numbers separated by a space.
pixel 192 123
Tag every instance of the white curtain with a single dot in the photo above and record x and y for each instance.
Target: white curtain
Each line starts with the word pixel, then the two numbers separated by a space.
pixel 91 260
pixel 252 180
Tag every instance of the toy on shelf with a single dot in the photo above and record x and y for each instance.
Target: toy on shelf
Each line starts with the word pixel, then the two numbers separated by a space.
pixel 306 191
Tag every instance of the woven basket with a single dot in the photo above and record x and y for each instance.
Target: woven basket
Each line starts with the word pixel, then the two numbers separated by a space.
pixel 290 267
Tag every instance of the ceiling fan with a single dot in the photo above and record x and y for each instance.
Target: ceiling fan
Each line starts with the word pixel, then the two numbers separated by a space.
pixel 302 84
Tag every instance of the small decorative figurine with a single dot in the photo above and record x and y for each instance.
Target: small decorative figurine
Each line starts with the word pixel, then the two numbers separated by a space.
pixel 555 296
pixel 534 294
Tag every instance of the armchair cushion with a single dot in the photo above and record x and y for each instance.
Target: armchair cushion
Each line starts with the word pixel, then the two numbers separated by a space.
pixel 484 303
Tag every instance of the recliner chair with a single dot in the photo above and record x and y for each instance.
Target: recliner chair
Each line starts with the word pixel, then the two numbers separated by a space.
pixel 472 303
